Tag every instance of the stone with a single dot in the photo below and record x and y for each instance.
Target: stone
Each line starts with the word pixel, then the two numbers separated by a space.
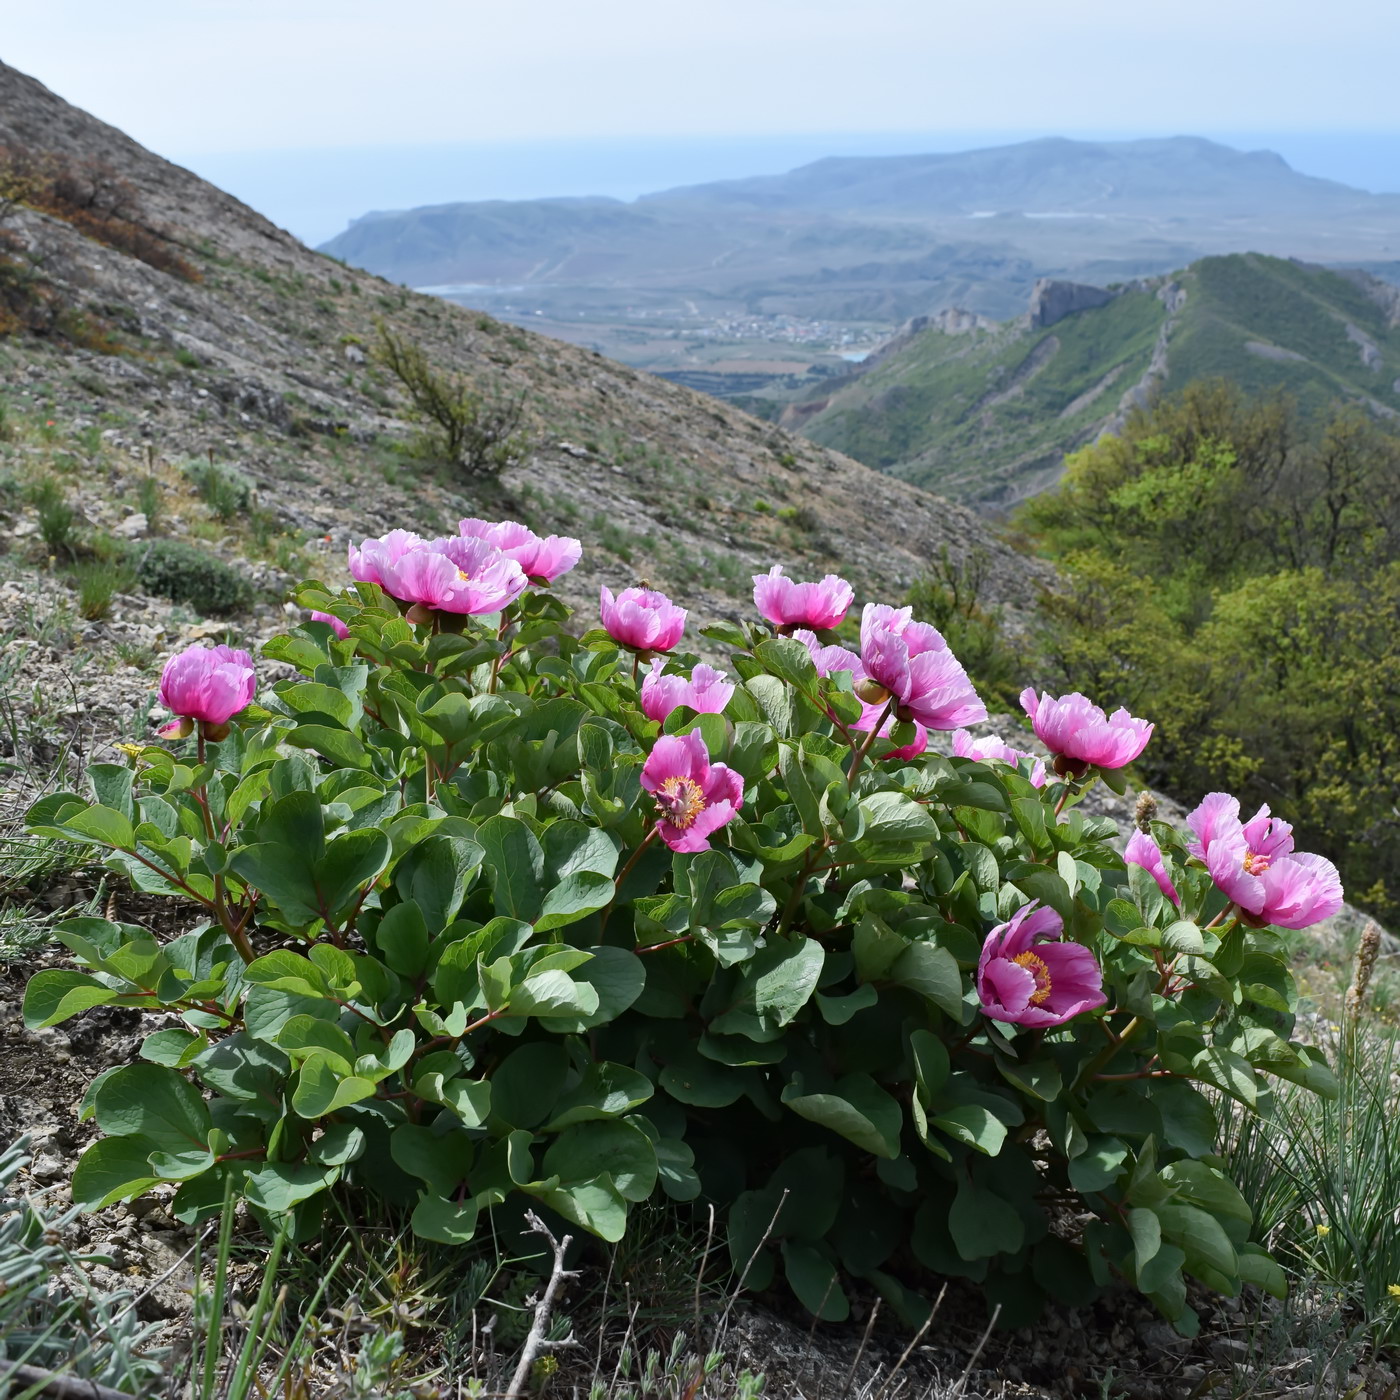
pixel 133 527
pixel 1052 300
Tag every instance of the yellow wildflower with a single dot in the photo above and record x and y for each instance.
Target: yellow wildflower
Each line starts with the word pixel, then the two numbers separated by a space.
pixel 1393 1289
pixel 1323 1231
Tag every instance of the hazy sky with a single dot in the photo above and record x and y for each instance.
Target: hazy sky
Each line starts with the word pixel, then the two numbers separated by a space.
pixel 316 111
pixel 237 75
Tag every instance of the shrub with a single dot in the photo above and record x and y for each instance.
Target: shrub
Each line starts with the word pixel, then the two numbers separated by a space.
pixel 480 432
pixel 481 937
pixel 150 499
pixel 52 1319
pixel 57 519
pixel 1240 566
pixel 98 581
pixel 1325 1178
pixel 224 489
pixel 184 573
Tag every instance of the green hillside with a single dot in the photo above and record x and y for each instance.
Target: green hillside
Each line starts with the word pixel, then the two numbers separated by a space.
pixel 986 416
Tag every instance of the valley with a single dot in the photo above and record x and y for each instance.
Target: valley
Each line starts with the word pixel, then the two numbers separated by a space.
pixel 844 251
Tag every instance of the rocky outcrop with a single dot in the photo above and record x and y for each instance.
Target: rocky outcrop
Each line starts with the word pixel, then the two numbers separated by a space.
pixel 1052 301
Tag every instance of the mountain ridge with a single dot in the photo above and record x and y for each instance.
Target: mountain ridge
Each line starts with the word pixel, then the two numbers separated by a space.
pixel 987 412
pixel 839 252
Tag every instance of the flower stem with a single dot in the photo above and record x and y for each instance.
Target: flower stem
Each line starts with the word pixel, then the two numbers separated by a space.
pixel 869 741
pixel 622 875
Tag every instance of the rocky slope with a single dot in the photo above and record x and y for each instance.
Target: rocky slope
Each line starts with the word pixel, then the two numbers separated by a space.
pixel 263 362
pixel 986 412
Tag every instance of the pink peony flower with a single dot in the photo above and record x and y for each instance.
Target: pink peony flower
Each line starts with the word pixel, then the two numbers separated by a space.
pixel 990 747
pixel 1254 863
pixel 694 797
pixel 454 575
pixel 367 563
pixel 706 692
pixel 830 659
pixel 543 558
pixel 786 604
pixel 331 621
pixel 206 684
pixel 910 662
pixel 641 619
pixel 1144 851
pixel 1028 978
pixel 1077 732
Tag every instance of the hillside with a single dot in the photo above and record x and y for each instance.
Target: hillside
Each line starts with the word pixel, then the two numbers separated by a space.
pixel 986 412
pixel 256 359
pixel 784 276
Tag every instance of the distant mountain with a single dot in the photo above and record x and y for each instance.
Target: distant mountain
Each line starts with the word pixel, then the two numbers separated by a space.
pixel 877 239
pixel 1050 176
pixel 986 412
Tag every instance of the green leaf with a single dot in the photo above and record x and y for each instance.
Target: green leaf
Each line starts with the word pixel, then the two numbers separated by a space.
pixel 447 1222
pixel 339 745
pixel 1253 1264
pixel 277 1186
pixel 351 861
pixel 162 1108
pixel 101 826
pixel 836 1011
pixel 1227 1071
pixel 113 1169
pixel 616 976
pixel 1183 936
pixel 443 1160
pixel 615 1150
pixel 1188 1120
pixel 1200 1185
pixel 303 1036
pixel 933 972
pixel 1146 1231
pixel 982 1224
pixel 1040 882
pixel 175 1048
pixel 286 971
pixel 322 1089
pixel 814 1280
pixel 606 1090
pixel 597 1206
pixel 974 1126
pixel 1201 1236
pixel 1099 1165
pixel 773 986
pixel 515 865
pixel 527 1083
pixel 436 875
pixel 790 661
pixel 551 992
pixel 575 897
pixel 55 994
pixel 402 938
pixel 857 1108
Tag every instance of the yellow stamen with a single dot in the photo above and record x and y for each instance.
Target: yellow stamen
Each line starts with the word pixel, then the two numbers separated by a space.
pixel 1037 969
pixel 1254 863
pixel 680 801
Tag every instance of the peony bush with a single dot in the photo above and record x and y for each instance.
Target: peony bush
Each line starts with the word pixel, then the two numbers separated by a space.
pixel 497 917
